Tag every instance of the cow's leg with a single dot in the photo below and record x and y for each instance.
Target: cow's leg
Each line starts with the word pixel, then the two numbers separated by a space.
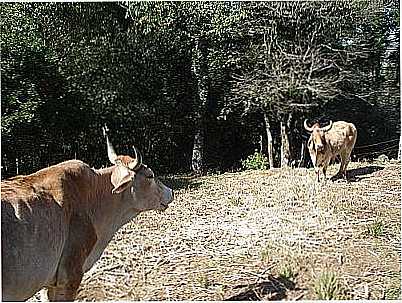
pixel 325 164
pixel 66 292
pixel 317 173
pixel 345 158
pixel 81 240
pixel 69 276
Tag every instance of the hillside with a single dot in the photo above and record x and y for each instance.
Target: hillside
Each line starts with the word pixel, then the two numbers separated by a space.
pixel 261 235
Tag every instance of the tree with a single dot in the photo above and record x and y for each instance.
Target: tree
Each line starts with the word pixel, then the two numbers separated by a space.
pixel 29 77
pixel 200 25
pixel 193 85
pixel 301 56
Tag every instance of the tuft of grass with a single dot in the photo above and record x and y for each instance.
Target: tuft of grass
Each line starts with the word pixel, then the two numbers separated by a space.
pixel 235 201
pixel 266 253
pixel 393 293
pixel 220 291
pixel 287 271
pixel 326 286
pixel 204 281
pixel 376 229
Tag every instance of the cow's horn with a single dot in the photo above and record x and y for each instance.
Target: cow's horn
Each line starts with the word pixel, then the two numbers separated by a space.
pixel 310 129
pixel 105 130
pixel 328 127
pixel 137 162
pixel 110 150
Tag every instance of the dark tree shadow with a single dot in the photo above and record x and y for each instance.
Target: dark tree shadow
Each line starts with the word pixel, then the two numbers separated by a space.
pixel 273 289
pixel 181 182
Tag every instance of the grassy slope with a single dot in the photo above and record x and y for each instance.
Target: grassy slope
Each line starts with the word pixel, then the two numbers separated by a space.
pixel 261 235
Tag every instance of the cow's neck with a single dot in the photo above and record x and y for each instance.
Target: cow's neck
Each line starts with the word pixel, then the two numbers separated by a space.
pixel 108 212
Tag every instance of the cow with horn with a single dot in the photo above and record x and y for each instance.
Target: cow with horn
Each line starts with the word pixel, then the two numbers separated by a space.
pixel 325 143
pixel 56 222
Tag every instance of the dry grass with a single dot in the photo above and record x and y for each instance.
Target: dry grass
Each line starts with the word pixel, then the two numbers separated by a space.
pixel 257 235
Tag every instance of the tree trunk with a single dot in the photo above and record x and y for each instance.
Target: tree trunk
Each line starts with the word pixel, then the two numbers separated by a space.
pixel 285 145
pixel 261 144
pixel 17 166
pixel 302 154
pixel 269 141
pixel 200 70
pixel 197 160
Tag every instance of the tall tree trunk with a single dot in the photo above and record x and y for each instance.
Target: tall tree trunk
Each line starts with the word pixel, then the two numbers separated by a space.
pixel 261 144
pixel 285 144
pixel 285 155
pixel 302 154
pixel 197 160
pixel 200 69
pixel 269 141
pixel 17 166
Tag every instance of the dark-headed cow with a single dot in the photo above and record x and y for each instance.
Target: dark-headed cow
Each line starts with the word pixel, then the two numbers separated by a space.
pixel 56 223
pixel 325 143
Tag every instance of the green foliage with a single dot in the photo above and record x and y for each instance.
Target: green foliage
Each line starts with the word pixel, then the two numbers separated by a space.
pixel 82 68
pixel 393 293
pixel 255 161
pixel 376 229
pixel 68 68
pixel 203 281
pixel 287 271
pixel 267 252
pixel 327 287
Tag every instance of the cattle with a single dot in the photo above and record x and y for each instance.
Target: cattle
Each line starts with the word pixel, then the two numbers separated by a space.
pixel 56 222
pixel 326 143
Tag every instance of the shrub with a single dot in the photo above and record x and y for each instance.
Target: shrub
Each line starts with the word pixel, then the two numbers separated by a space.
pixel 287 271
pixel 327 287
pixel 255 161
pixel 376 229
pixel 394 292
pixel 204 281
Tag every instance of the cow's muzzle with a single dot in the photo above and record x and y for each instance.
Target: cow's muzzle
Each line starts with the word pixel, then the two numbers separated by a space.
pixel 319 147
pixel 167 198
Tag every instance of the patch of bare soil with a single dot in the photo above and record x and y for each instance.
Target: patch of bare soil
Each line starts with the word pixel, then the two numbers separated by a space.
pixel 261 235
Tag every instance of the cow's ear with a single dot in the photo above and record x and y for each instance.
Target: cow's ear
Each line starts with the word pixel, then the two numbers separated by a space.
pixel 121 179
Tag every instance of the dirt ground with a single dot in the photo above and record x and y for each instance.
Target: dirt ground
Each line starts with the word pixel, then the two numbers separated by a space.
pixel 261 235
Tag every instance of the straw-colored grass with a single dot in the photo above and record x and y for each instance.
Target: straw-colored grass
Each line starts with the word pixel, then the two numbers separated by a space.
pixel 261 235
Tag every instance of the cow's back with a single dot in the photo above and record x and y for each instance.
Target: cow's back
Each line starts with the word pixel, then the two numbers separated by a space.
pixel 34 228
pixel 342 136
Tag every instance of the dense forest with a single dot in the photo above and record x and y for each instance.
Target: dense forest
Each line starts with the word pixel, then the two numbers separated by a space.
pixel 196 86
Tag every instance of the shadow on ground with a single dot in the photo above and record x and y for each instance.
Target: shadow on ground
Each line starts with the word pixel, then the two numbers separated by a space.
pixel 273 289
pixel 357 173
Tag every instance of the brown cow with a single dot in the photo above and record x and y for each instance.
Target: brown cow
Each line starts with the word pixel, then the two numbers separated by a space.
pixel 56 223
pixel 325 143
